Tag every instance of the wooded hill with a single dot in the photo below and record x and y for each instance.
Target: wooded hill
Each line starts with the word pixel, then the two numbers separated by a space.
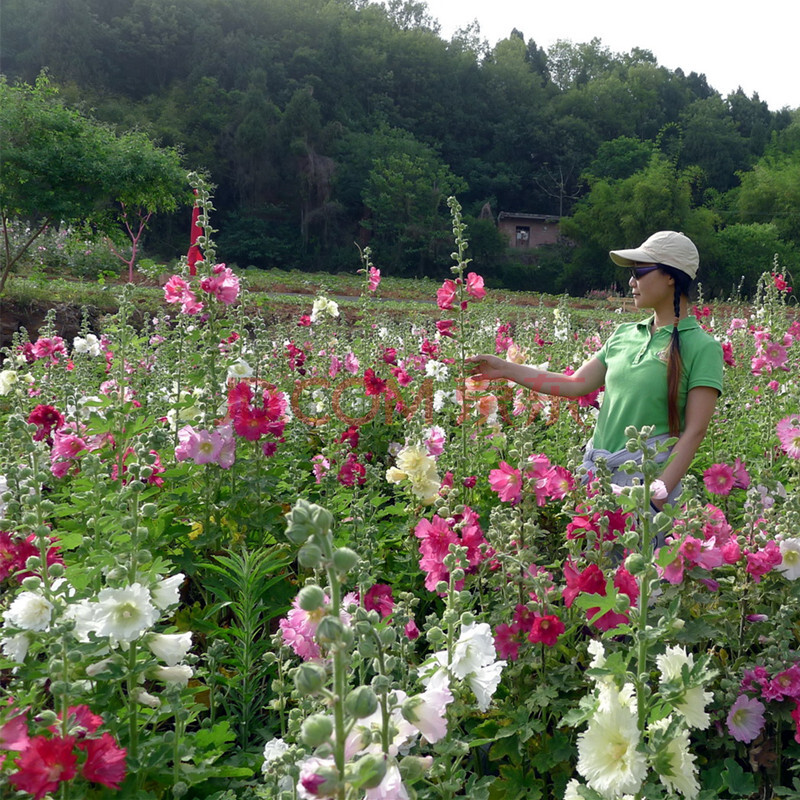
pixel 328 122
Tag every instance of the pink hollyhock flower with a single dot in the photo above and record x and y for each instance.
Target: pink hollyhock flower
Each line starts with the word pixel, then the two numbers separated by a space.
pixel 718 479
pixel 475 286
pixel 745 719
pixel 222 283
pixel 427 712
pixel 321 467
pixel 434 441
pixel 731 551
pixel 401 376
pixel 784 684
pixel 741 478
pixel 755 680
pixel 780 283
pixel 374 278
pixel 703 554
pixel 105 761
pixel 760 562
pixel 507 482
pixel 352 472
pixel 379 598
pixel 788 430
pixel 389 355
pixel 446 295
pixel 590 581
pixel 351 363
pixel 44 764
pixel 298 629
pixel 541 473
pixel 411 630
pixel 436 537
pixel 545 629
pixel 727 354
pixel 81 720
pixel 49 347
pixel 14 734
pixel 445 327
pixel 560 483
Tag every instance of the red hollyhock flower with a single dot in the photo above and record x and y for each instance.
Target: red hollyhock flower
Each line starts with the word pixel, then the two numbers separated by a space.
pixel 44 764
pixel 239 396
pixel 373 385
pixel 46 419
pixel 445 327
pixel 350 436
pixel 251 423
pixel 545 629
pixel 105 761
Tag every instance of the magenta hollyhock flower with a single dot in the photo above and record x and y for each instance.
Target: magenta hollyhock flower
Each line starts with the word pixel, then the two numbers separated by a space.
pixel 788 430
pixel 507 482
pixel 352 472
pixel 541 473
pixel 507 640
pixel 745 719
pixel 46 419
pixel 105 761
pixel 719 479
pixel 222 284
pixel 445 327
pixel 475 286
pixel 14 734
pixel 741 478
pixel 351 363
pixel 446 295
pixel 545 629
pixel 379 598
pixel 44 764
pixel 434 441
pixel 49 347
pixel 374 278
pixel 703 554
pixel 436 537
pixel 762 561
pixel 411 630
pixel 784 684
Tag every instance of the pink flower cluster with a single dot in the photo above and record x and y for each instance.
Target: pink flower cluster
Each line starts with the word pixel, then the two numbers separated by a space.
pixel 439 533
pixel 45 762
pixel 770 355
pixel 788 430
pixel 47 419
pixel 217 446
pixel 746 717
pixel 548 482
pixel 49 347
pixel 723 478
pixel 299 628
pixel 449 293
pixel 222 284
pixel 177 290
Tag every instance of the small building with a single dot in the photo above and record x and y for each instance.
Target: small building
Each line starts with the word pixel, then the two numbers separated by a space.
pixel 528 230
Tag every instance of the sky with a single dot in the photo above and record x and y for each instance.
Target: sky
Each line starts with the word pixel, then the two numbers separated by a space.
pixel 735 44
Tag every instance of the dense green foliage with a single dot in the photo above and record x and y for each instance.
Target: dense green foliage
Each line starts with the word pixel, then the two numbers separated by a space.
pixel 328 121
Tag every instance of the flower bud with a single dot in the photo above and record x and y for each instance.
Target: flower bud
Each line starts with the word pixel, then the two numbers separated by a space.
pixel 310 556
pixel 412 768
pixel 310 678
pixel 361 702
pixel 317 729
pixel 31 583
pixel 306 519
pixel 368 771
pixel 311 598
pixel 330 630
pixel 622 603
pixel 635 563
pixel 344 559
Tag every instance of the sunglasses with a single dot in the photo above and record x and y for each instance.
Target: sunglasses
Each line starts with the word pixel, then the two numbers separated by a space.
pixel 640 272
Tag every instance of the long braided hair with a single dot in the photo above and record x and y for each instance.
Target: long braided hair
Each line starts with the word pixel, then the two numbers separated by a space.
pixel 674 361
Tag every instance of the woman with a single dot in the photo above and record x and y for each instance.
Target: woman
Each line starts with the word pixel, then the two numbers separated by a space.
pixel 664 371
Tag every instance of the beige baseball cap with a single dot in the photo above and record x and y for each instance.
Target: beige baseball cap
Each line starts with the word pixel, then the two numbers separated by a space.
pixel 670 248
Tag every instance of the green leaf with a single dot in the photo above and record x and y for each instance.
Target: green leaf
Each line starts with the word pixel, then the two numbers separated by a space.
pixel 738 781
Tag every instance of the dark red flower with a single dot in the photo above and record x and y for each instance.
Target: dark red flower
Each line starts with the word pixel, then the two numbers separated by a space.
pixel 545 629
pixel 373 385
pixel 379 598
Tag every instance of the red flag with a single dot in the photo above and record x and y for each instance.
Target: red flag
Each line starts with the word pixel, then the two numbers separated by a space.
pixel 194 255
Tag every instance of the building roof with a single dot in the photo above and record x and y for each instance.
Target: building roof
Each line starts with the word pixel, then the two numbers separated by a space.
pixel 511 215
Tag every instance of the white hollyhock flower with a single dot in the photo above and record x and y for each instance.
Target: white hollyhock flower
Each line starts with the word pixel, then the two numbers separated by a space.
pixel 146 699
pixel 693 702
pixel 322 305
pixel 179 674
pixel 474 649
pixel 484 683
pixel 8 379
pixel 607 754
pixel 88 345
pixel 82 614
pixel 123 615
pixel 391 787
pixel 30 611
pixel 171 648
pixel 790 563
pixel 240 369
pixel 166 592
pixel 683 775
pixel 15 647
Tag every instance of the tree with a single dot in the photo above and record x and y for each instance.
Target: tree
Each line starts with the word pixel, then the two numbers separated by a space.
pixel 58 166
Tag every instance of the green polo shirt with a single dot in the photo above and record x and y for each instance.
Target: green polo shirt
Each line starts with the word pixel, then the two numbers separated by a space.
pixel 636 377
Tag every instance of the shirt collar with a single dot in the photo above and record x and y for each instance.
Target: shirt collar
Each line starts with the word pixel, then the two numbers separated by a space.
pixel 687 323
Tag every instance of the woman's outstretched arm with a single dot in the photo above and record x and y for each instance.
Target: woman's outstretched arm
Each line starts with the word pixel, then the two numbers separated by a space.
pixel 589 377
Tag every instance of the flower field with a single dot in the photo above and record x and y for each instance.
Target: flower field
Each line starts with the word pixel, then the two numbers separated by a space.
pixel 316 559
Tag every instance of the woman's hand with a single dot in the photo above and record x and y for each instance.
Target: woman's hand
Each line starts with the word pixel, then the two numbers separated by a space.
pixel 486 367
